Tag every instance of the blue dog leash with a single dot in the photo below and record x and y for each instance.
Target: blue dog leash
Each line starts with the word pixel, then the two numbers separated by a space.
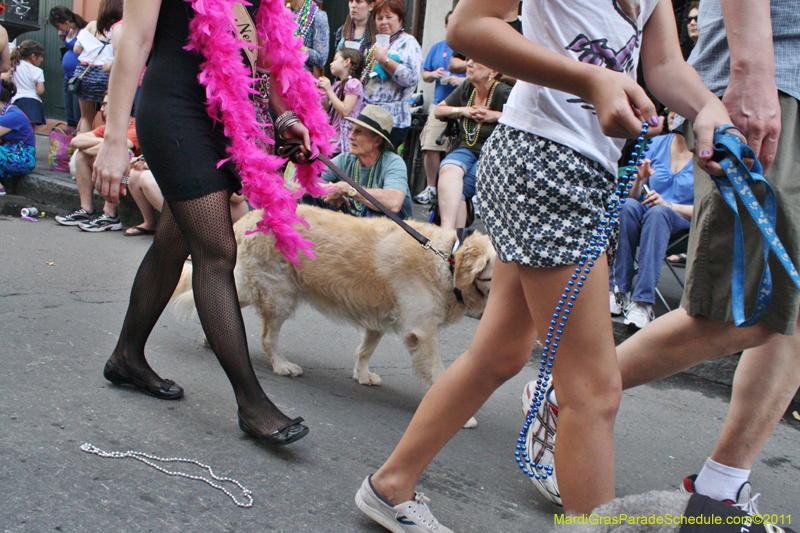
pixel 738 180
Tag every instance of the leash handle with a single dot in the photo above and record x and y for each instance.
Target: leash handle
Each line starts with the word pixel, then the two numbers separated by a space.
pixel 293 149
pixel 739 180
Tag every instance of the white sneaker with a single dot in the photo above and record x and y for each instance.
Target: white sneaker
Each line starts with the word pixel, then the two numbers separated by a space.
pixel 427 196
pixel 618 301
pixel 540 443
pixel 412 516
pixel 639 314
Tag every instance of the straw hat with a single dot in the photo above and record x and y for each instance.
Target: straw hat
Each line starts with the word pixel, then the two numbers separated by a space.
pixel 375 119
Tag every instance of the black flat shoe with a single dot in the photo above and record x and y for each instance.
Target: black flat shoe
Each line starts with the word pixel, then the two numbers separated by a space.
pixel 167 390
pixel 286 434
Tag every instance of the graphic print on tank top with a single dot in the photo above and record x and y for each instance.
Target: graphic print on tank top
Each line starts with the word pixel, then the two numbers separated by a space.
pixel 597 52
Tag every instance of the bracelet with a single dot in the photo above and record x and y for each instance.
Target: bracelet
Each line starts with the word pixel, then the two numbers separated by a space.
pixel 285 121
pixel 386 62
pixel 455 111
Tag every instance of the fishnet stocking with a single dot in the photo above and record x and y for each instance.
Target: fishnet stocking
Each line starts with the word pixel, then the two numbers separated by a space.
pixel 205 230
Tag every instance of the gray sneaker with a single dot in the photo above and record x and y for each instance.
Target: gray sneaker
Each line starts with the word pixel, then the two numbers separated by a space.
pixel 412 516
pixel 102 222
pixel 77 216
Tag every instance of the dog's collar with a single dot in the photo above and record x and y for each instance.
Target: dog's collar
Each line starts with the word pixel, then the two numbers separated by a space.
pixel 461 236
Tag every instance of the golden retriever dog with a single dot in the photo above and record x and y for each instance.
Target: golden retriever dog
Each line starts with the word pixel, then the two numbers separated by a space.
pixel 368 272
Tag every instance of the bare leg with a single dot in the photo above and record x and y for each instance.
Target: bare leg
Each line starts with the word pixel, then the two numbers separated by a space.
pixel 83 179
pixel 451 184
pixel 500 348
pixel 88 111
pixel 587 379
pixel 763 387
pixel 432 160
pixel 586 372
pixel 151 190
pixel 145 207
pixel 238 207
pixel 461 217
pixel 675 341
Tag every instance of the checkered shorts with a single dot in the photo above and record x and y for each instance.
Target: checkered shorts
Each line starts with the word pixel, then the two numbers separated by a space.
pixel 540 200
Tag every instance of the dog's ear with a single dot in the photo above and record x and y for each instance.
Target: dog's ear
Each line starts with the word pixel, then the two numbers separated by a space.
pixel 471 258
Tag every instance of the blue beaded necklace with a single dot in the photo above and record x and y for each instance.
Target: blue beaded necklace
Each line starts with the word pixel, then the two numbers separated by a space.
pixel 528 466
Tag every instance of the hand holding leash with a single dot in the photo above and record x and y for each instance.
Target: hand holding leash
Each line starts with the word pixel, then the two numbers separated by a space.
pixel 732 151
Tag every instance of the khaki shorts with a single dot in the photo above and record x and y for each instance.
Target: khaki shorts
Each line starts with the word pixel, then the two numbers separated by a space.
pixel 431 131
pixel 710 254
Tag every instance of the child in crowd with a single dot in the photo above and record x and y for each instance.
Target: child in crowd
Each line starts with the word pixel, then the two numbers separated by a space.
pixel 345 97
pixel 546 189
pixel 29 79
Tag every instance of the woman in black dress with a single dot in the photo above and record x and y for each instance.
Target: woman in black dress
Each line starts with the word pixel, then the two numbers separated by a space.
pixel 182 146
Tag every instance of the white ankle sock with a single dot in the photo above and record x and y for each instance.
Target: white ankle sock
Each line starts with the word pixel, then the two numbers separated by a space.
pixel 432 189
pixel 551 397
pixel 719 481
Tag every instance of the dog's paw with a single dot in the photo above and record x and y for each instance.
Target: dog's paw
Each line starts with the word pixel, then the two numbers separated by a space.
pixel 287 369
pixel 368 379
pixel 471 423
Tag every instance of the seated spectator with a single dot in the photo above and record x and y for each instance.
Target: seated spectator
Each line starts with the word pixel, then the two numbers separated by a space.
pixel 373 165
pixel 477 104
pixel 647 221
pixel 17 142
pixel 434 69
pixel 87 146
pixel 147 195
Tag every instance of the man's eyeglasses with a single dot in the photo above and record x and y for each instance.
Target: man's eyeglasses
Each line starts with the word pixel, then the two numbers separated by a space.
pixel 692 18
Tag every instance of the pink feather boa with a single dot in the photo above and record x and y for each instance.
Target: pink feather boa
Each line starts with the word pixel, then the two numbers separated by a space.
pixel 228 84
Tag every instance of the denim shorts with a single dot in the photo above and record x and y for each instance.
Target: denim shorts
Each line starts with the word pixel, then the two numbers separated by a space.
pixel 468 162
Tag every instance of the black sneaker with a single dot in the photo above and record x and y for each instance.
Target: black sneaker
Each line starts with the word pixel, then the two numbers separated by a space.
pixel 102 222
pixel 76 217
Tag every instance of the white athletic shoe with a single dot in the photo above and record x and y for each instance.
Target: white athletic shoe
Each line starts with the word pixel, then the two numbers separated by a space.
pixel 412 516
pixel 618 301
pixel 639 314
pixel 427 196
pixel 540 442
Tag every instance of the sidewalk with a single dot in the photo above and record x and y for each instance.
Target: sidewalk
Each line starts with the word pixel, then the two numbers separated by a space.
pixel 57 193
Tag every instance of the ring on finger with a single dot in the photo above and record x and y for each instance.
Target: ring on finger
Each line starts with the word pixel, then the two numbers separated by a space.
pixel 126 179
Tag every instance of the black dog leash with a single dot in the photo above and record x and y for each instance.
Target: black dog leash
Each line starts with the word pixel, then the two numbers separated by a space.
pixel 293 149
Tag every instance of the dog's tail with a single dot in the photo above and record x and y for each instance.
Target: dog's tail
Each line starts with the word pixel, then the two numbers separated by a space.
pixel 182 301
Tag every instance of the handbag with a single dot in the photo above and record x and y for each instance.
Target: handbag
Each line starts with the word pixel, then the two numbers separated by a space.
pixel 60 148
pixel 74 83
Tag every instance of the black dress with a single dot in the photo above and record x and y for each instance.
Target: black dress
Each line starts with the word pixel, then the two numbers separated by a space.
pixel 180 142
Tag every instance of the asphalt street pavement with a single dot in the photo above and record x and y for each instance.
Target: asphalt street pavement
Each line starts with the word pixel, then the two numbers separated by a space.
pixel 63 294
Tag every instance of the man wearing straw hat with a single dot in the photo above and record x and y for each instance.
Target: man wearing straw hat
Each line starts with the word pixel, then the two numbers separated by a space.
pixel 373 165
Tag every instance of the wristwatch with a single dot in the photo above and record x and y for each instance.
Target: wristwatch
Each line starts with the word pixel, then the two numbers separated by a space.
pixel 352 192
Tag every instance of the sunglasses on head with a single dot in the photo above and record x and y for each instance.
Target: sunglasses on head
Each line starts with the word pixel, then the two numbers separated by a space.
pixel 693 18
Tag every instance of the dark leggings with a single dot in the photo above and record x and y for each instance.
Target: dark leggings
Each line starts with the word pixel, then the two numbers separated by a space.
pixel 203 228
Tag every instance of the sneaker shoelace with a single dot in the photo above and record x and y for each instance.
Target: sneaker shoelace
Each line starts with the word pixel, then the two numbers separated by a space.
pixel 422 510
pixel 749 506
